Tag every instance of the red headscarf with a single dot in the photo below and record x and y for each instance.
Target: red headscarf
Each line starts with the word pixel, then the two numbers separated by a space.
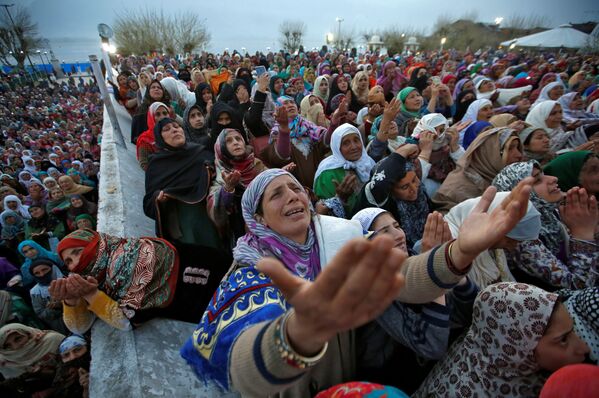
pixel 572 381
pixel 146 139
pixel 88 240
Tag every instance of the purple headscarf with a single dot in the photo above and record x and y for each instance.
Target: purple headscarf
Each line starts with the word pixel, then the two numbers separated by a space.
pixel 458 87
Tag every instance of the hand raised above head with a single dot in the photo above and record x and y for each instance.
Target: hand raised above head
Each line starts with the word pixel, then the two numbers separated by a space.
pixel 281 117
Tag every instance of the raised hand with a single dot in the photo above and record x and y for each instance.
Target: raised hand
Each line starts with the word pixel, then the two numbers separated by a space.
pixel 347 187
pixel 262 82
pixel 282 119
pixel 81 287
pixel 290 167
pixel 436 232
pixel 392 109
pixel 355 287
pixel 231 179
pixel 481 230
pixel 425 143
pixel 408 151
pixel 580 213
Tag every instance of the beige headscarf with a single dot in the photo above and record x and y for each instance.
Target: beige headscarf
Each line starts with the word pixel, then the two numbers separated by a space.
pixel 76 188
pixel 503 120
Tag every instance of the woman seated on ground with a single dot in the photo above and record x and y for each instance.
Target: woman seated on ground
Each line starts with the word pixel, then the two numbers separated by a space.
pixel 573 110
pixel 311 109
pixel 507 353
pixel 58 203
pixel 85 221
pixel 236 167
pixel 576 169
pixel 490 152
pixel 43 227
pixel 566 254
pixel 551 92
pixel 195 125
pixel 69 187
pixel 405 334
pixel 79 205
pixel 582 305
pixel 537 145
pixel 37 195
pixel 395 187
pixel 411 108
pixel 13 229
pixel 45 271
pixel 313 322
pixel 480 110
pixel 145 144
pixel 32 251
pixel 491 265
pixel 29 359
pixel 548 116
pixel 12 202
pixel 72 375
pixel 340 177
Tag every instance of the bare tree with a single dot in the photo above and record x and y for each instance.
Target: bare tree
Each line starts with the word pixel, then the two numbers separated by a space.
pixel 18 37
pixel 292 34
pixel 345 39
pixel 394 37
pixel 524 22
pixel 149 30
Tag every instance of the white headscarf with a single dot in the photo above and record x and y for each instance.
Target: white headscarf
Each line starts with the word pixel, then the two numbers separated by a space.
pixel 486 95
pixel 178 90
pixel 472 111
pixel 316 90
pixel 367 216
pixel 361 166
pixel 560 139
pixel 491 265
pixel 22 210
pixel 544 95
pixel 429 123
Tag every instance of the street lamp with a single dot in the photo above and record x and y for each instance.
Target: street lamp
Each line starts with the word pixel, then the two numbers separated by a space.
pixel 339 20
pixel 498 21
pixel 330 38
pixel 443 40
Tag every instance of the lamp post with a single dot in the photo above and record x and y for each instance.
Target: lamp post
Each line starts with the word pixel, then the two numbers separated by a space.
pixel 443 40
pixel 39 53
pixel 339 20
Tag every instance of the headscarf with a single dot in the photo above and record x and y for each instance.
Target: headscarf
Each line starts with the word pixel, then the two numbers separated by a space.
pixel 429 123
pixel 86 217
pixel 474 108
pixel 496 357
pixel 260 241
pixel 402 95
pixel 583 307
pixel 311 112
pixel 462 106
pixel 367 216
pixel 502 120
pixel 412 215
pixel 361 389
pixel 30 168
pixel 551 231
pixel 138 273
pixel 361 166
pixel 41 253
pixel 10 231
pixel 76 188
pixel 491 265
pixel 536 118
pixel 566 168
pixel 572 381
pixel 544 95
pixel 199 136
pixel 199 98
pixel 23 181
pixel 316 90
pixel 247 165
pixel 147 137
pixel 271 85
pixel 71 342
pixel 458 87
pixel 573 115
pixel 303 133
pixel 41 349
pixel 43 283
pixel 22 210
pixel 392 144
pixel 473 131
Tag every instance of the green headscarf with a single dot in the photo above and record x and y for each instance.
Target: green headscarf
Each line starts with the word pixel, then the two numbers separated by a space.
pixel 86 217
pixel 567 168
pixel 402 95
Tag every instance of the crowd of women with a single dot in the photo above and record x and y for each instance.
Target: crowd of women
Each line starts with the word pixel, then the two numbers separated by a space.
pixel 426 223
pixel 50 162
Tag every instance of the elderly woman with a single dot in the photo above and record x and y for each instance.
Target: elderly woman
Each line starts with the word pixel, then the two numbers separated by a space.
pixel 491 151
pixel 145 145
pixel 286 338
pixel 537 145
pixel 565 254
pixel 340 177
pixel 576 169
pixel 497 359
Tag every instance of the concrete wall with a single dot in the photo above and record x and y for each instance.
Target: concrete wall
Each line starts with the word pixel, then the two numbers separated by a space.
pixel 144 362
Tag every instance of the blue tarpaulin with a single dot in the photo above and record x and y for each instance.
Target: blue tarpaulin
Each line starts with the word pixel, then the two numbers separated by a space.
pixel 66 67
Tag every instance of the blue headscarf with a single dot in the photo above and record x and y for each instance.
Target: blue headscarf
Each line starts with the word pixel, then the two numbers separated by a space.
pixel 71 342
pixel 41 253
pixel 473 131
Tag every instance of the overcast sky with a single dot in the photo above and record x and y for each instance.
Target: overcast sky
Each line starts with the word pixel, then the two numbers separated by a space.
pixel 254 24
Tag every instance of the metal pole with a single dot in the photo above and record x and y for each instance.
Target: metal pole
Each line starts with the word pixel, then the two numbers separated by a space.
pixel 107 63
pixel 93 59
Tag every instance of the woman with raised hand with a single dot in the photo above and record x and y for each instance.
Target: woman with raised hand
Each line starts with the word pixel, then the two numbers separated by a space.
pixel 281 322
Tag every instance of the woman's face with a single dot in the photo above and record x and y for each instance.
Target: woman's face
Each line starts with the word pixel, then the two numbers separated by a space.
pixel 242 94
pixel 545 186
pixel 10 220
pixel 235 144
pixel 555 117
pixel 36 211
pixel 73 353
pixel 577 103
pixel 539 142
pixel 393 130
pixel 485 113
pixel 299 85
pixel 363 82
pixel 468 97
pixel 66 184
pixel 407 188
pixel 196 118
pixel 513 152
pixel 41 270
pixel 15 341
pixel 291 108
pixel 324 87
pixel 589 175
pixel 285 209
pixel 173 135
pixel 278 85
pixel 84 224
pixel 156 91
pixel 451 85
pixel 223 119
pixel 26 176
pixel 351 147
pixel 313 100
pixel 71 257
pixel 556 92
pixel 486 87
pixel 76 202
pixel 386 224
pixel 413 101
pixel 145 79
pixel 57 193
pixel 206 95
pixel 342 84
pixel 12 205
pixel 468 86
pixel 122 80
pixel 560 346
pixel 29 252
pixel 160 114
